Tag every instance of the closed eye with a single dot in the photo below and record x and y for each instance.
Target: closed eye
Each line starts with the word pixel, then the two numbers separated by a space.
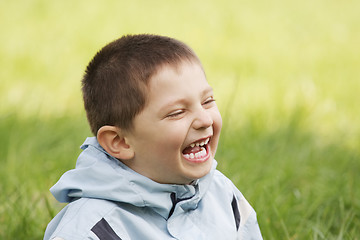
pixel 209 100
pixel 175 114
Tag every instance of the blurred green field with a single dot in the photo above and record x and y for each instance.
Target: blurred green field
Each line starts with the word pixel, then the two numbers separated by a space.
pixel 286 78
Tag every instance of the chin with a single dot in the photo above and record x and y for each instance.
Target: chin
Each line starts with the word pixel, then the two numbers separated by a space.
pixel 203 170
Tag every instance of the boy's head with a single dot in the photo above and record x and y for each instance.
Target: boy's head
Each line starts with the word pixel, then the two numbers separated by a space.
pixel 115 82
pixel 157 111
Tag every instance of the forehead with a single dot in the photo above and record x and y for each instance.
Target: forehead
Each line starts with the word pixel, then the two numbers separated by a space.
pixel 173 83
pixel 173 75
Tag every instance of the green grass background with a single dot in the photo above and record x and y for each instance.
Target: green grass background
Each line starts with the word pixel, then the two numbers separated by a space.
pixel 286 78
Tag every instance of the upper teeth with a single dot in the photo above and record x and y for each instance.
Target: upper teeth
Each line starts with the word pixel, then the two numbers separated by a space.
pixel 202 143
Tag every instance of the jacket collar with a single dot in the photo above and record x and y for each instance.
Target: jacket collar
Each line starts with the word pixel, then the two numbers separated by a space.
pixel 99 175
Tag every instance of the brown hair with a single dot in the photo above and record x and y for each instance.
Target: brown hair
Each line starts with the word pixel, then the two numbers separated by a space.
pixel 115 81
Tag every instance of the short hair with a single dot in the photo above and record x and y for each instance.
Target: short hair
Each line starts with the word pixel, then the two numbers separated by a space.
pixel 115 82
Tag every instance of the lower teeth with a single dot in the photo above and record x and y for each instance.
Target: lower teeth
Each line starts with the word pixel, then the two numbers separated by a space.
pixel 200 154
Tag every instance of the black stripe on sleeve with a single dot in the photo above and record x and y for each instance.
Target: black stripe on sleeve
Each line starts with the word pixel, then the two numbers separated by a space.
pixel 103 231
pixel 236 212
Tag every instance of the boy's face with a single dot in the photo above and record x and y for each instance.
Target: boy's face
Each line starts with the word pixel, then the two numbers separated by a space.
pixel 176 135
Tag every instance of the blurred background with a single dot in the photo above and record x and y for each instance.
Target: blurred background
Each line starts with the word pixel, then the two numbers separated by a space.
pixel 286 78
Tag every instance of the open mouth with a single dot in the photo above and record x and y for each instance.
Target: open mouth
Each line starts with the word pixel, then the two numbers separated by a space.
pixel 197 151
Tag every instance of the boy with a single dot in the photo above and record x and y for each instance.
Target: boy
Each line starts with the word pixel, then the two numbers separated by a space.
pixel 150 171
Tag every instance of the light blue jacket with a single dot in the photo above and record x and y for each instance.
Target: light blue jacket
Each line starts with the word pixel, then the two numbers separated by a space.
pixel 109 201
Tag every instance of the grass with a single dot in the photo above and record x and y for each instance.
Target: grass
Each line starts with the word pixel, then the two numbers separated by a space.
pixel 286 79
pixel 301 188
pixel 33 156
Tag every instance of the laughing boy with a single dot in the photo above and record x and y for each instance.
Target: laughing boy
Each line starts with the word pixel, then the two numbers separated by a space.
pixel 150 172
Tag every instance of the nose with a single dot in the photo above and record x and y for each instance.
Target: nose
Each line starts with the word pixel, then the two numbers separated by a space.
pixel 202 119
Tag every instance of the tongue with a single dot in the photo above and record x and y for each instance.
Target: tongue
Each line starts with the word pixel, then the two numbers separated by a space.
pixel 189 150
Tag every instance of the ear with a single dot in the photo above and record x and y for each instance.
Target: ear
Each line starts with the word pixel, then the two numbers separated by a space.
pixel 114 142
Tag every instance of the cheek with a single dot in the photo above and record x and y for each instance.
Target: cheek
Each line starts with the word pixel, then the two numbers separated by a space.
pixel 217 121
pixel 217 124
pixel 172 138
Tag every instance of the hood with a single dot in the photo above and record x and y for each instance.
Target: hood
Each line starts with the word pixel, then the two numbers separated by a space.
pixel 99 175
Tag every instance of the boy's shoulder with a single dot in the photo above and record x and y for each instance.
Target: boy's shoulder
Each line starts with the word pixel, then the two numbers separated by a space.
pixel 76 220
pixel 244 214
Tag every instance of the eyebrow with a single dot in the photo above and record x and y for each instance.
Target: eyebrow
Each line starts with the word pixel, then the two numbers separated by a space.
pixel 207 90
pixel 182 101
